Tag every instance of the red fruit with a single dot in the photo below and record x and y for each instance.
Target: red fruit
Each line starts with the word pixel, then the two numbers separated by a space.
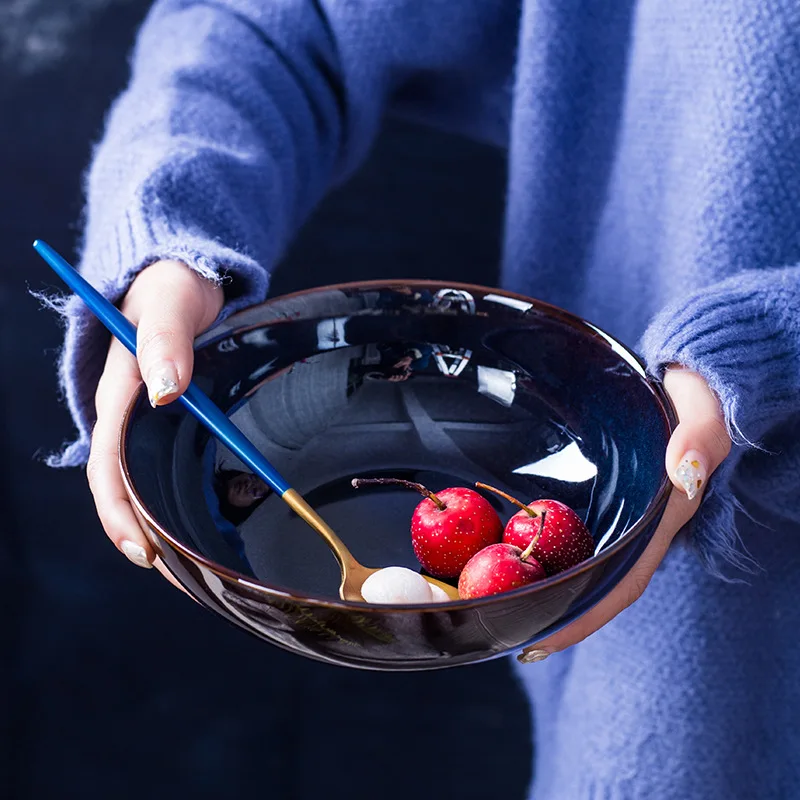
pixel 499 568
pixel 449 527
pixel 563 540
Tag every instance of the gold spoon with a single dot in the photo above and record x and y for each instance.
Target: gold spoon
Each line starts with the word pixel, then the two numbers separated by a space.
pixel 353 573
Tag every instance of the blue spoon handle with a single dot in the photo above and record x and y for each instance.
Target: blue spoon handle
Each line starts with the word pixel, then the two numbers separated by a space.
pixel 198 403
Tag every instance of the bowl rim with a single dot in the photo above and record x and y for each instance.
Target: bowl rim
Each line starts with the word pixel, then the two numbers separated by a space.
pixel 656 505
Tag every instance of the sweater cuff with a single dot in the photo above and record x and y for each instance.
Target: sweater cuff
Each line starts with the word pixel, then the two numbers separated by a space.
pixel 732 340
pixel 86 340
pixel 734 336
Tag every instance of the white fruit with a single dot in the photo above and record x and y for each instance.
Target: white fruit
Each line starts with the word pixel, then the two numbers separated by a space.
pixel 438 594
pixel 397 585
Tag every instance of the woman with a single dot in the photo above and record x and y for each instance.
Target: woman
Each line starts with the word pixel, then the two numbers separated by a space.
pixel 653 187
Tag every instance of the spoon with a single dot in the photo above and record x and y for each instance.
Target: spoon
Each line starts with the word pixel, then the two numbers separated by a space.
pixel 200 405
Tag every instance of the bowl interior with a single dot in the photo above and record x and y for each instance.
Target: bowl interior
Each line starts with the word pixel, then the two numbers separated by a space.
pixel 437 384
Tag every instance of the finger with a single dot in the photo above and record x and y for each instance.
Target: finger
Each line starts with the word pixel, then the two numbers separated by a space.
pixel 118 383
pixel 172 305
pixel 627 591
pixel 701 442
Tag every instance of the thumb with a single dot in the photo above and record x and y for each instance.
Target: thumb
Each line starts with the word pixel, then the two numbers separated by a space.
pixel 172 305
pixel 700 443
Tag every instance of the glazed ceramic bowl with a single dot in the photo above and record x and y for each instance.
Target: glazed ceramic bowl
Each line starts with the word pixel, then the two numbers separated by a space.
pixel 441 384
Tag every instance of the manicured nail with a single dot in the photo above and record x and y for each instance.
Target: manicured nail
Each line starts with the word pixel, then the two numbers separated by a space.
pixel 135 553
pixel 162 381
pixel 532 656
pixel 691 473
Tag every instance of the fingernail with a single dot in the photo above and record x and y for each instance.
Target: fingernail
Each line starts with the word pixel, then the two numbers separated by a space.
pixel 691 473
pixel 162 381
pixel 135 553
pixel 532 656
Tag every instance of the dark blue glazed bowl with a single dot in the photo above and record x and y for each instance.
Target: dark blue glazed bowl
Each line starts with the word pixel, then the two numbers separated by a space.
pixel 440 384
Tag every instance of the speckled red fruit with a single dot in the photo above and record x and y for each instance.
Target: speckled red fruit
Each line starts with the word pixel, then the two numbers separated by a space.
pixel 498 568
pixel 448 527
pixel 564 541
pixel 445 539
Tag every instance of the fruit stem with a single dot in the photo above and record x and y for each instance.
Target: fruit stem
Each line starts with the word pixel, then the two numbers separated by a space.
pixel 529 549
pixel 358 482
pixel 508 497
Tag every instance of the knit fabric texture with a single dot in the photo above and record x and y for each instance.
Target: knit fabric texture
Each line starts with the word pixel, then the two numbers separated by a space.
pixel 653 188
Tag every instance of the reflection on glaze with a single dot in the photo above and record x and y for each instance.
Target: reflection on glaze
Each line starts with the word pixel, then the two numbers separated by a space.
pixel 510 302
pixel 451 362
pixel 569 465
pixel 622 352
pixel 454 299
pixel 498 384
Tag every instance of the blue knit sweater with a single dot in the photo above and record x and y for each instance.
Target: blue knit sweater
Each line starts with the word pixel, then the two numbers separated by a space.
pixel 654 188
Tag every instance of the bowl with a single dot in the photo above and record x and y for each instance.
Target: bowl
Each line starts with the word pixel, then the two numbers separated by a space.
pixel 443 384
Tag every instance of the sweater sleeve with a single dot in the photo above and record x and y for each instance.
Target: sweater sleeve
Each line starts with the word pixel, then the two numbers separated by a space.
pixel 238 116
pixel 743 336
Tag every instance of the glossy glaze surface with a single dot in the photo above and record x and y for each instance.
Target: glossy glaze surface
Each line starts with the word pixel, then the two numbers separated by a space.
pixel 445 385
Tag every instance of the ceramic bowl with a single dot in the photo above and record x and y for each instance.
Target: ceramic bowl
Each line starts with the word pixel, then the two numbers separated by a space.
pixel 441 384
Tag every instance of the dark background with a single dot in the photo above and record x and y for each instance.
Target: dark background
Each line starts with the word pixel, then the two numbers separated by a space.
pixel 113 684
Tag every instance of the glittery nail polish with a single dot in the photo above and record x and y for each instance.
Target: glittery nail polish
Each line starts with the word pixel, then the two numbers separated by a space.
pixel 691 473
pixel 162 381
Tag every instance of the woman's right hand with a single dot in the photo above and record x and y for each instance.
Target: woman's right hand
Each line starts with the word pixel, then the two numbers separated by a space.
pixel 170 305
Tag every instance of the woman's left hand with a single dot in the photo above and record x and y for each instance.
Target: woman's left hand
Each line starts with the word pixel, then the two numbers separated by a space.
pixel 698 446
